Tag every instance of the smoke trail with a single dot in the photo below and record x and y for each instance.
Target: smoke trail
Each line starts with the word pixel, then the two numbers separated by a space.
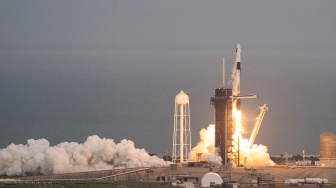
pixel 236 83
pixel 94 154
pixel 206 147
pixel 235 80
pixel 233 72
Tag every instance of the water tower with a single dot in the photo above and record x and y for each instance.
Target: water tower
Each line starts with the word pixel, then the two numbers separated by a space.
pixel 181 134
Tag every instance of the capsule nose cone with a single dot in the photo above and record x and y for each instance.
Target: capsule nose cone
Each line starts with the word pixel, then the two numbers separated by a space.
pixel 238 49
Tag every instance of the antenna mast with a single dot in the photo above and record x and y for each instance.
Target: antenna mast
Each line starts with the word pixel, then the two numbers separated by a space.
pixel 223 84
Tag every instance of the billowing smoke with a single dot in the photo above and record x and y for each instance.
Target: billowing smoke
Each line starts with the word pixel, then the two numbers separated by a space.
pixel 205 149
pixel 255 157
pixel 37 156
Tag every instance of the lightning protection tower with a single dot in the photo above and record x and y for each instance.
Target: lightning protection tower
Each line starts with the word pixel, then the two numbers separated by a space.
pixel 224 126
pixel 181 135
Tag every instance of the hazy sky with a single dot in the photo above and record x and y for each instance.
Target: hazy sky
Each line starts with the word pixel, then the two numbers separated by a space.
pixel 71 69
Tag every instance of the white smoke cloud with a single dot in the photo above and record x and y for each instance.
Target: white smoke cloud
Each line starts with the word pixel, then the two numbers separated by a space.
pixel 257 156
pixel 94 154
pixel 206 147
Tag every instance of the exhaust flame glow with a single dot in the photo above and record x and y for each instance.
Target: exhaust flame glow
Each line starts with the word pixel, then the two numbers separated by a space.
pixel 257 156
pixel 236 136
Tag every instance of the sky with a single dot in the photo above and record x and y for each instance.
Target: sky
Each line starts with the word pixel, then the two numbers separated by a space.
pixel 72 69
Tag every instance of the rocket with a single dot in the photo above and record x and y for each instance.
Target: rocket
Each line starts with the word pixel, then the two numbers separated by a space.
pixel 236 76
pixel 235 80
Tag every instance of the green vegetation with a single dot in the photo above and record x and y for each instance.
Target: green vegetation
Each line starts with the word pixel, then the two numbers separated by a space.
pixel 282 160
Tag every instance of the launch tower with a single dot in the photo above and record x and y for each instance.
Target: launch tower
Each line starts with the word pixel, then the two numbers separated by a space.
pixel 224 129
pixel 181 134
